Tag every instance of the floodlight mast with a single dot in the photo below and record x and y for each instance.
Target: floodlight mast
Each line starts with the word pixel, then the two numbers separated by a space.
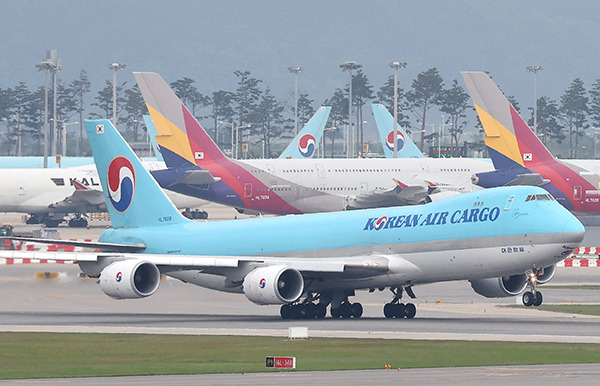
pixel 115 67
pixel 396 66
pixel 296 70
pixel 349 66
pixel 535 70
pixel 51 64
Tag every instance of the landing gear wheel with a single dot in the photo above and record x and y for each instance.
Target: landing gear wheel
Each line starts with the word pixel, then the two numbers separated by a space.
pixel 538 299
pixel 346 310
pixel 52 223
pixel 357 310
pixel 388 310
pixel 528 299
pixel 399 311
pixel 321 311
pixel 286 311
pixel 310 311
pixel 78 222
pixel 335 313
pixel 410 311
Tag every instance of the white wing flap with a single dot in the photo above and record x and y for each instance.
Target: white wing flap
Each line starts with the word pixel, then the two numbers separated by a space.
pixel 364 264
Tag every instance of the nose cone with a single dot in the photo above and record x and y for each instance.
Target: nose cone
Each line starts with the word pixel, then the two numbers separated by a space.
pixel 575 229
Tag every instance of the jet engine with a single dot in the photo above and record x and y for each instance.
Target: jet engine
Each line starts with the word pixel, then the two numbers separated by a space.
pixel 130 279
pixel 276 284
pixel 500 287
pixel 544 275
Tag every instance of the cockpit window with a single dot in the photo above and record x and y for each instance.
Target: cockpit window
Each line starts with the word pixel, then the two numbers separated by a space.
pixel 540 197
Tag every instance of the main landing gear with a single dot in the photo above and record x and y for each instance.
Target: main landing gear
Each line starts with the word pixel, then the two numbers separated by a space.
pixel 398 310
pixel 532 297
pixel 315 307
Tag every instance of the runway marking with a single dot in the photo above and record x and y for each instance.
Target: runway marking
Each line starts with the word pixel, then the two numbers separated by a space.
pixel 311 333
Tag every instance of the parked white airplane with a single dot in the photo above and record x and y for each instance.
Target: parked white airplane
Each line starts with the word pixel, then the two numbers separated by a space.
pixel 49 194
pixel 197 167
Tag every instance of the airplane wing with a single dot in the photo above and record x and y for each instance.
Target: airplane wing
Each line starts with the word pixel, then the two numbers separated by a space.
pixel 530 179
pixel 84 199
pixel 196 177
pixel 355 266
pixel 400 195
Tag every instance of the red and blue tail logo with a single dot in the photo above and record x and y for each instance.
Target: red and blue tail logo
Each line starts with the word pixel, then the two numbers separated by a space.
pixel 306 145
pixel 121 183
pixel 400 140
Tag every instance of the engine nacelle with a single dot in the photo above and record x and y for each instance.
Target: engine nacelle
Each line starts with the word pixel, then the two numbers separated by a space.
pixel 547 274
pixel 276 284
pixel 130 279
pixel 500 287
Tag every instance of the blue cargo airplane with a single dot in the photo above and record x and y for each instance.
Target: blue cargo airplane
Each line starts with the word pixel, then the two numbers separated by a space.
pixel 501 240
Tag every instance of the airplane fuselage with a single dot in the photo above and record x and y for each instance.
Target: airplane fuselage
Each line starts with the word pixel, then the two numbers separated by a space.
pixel 477 235
pixel 293 186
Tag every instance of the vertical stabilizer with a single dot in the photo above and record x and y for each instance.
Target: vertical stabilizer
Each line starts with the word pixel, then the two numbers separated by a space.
pixel 133 197
pixel 509 139
pixel 306 143
pixel 181 138
pixel 152 134
pixel 385 124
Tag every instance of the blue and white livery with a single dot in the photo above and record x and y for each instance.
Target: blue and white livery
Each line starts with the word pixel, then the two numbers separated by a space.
pixel 501 240
pixel 309 138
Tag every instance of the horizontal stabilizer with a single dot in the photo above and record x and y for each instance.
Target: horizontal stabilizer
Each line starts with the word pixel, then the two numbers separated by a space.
pixel 196 177
pixel 108 247
pixel 529 179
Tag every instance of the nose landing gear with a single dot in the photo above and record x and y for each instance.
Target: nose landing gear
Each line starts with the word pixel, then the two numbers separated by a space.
pixel 532 297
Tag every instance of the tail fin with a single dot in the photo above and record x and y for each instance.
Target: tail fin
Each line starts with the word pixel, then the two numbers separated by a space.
pixel 181 138
pixel 152 134
pixel 133 197
pixel 508 138
pixel 309 138
pixel 385 124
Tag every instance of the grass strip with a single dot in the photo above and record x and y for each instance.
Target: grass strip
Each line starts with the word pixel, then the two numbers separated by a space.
pixel 49 355
pixel 592 287
pixel 581 309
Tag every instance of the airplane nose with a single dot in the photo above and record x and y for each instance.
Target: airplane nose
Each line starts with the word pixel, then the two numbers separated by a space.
pixel 574 227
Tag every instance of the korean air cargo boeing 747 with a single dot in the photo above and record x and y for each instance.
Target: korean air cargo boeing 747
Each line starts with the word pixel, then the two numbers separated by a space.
pixel 501 240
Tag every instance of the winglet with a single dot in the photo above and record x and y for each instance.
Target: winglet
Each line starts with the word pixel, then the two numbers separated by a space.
pixel 309 138
pixel 385 124
pixel 133 197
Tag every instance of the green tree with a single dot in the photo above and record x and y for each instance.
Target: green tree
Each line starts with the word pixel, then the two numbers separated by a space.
pixel 135 108
pixel 454 102
pixel 362 92
pixel 104 101
pixel 305 110
pixel 386 98
pixel 574 111
pixel 80 87
pixel 337 117
pixel 189 95
pixel 267 121
pixel 246 98
pixel 548 126
pixel 425 92
pixel 222 111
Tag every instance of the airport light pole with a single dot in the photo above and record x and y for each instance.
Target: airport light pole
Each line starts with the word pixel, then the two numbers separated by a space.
pixel 349 66
pixel 296 70
pixel 51 64
pixel 535 70
pixel 115 67
pixel 396 66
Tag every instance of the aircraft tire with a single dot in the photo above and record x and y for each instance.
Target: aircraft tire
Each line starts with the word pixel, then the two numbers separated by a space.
pixel 52 223
pixel 537 301
pixel 310 311
pixel 528 299
pixel 321 311
pixel 335 313
pixel 286 311
pixel 410 310
pixel 388 310
pixel 357 310
pixel 399 312
pixel 346 310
